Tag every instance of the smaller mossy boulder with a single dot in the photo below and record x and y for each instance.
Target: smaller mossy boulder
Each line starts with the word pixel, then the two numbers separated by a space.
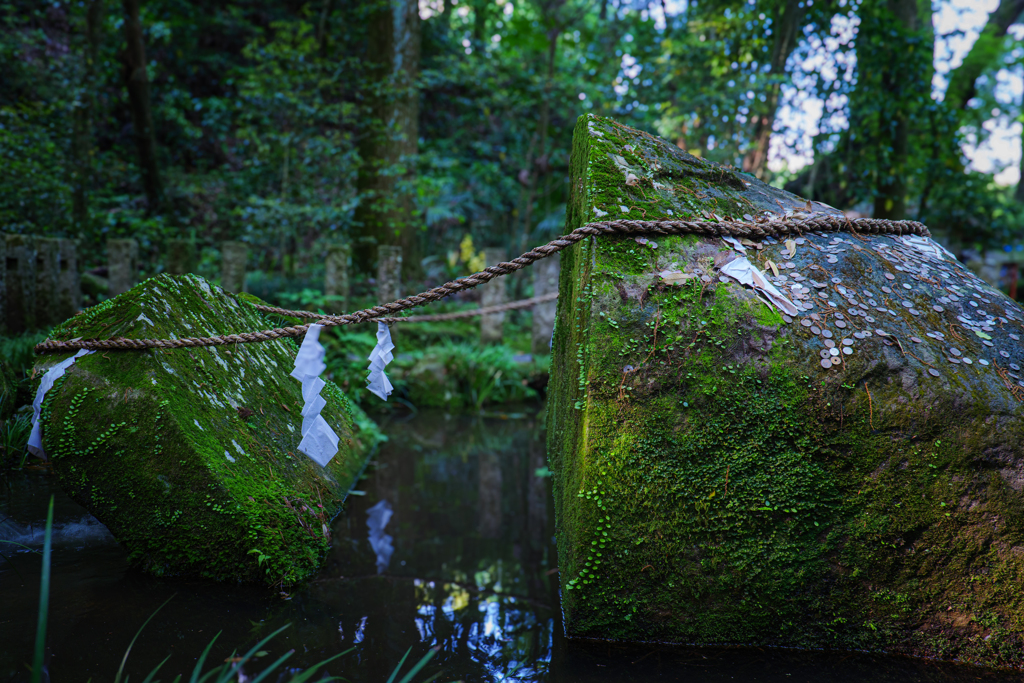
pixel 190 456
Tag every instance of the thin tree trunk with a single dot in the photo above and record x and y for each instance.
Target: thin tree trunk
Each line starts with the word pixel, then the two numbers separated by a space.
pixel 81 145
pixel 983 54
pixel 899 77
pixel 1018 194
pixel 786 24
pixel 321 27
pixel 388 147
pixel 137 83
pixel 541 167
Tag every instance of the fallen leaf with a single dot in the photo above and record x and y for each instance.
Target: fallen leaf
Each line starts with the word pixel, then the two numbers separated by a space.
pixel 675 277
pixel 775 268
pixel 791 246
pixel 982 335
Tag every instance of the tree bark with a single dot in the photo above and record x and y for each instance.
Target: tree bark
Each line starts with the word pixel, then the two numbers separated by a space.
pixel 389 144
pixel 81 142
pixel 983 54
pixel 1018 194
pixel 786 25
pixel 900 75
pixel 137 83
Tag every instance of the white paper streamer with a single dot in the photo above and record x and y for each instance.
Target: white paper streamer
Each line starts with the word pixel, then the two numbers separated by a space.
pixel 319 441
pixel 377 382
pixel 35 440
pixel 745 273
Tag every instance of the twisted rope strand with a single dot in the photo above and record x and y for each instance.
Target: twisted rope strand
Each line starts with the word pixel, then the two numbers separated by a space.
pixel 486 310
pixel 739 229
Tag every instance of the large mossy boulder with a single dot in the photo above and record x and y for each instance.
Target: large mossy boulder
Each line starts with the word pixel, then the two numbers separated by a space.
pixel 851 476
pixel 189 456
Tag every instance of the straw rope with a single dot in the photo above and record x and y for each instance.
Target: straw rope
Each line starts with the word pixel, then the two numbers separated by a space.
pixel 739 229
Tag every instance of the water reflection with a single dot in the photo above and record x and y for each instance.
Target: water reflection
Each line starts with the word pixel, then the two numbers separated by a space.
pixel 377 518
pixel 449 547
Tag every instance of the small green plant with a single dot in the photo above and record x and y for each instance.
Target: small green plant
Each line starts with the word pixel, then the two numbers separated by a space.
pixel 14 433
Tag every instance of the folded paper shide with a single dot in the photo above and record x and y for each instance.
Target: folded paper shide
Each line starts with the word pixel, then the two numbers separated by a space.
pixel 377 382
pixel 319 441
pixel 35 440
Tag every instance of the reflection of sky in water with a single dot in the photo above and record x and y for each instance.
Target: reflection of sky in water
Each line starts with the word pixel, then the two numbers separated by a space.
pixel 497 631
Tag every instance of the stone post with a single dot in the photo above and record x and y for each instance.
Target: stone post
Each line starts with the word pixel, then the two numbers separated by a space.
pixel 122 265
pixel 181 257
pixel 493 294
pixel 21 283
pixel 3 283
pixel 336 277
pixel 545 281
pixel 233 259
pixel 47 272
pixel 69 281
pixel 389 273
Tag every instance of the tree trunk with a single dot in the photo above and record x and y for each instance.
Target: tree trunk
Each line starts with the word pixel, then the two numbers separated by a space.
pixel 901 73
pixel 786 24
pixel 81 142
pixel 137 82
pixel 1018 194
pixel 321 28
pixel 388 147
pixel 983 54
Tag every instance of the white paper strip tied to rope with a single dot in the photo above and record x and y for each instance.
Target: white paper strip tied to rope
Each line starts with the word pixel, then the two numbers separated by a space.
pixel 35 440
pixel 319 441
pixel 377 382
pixel 745 273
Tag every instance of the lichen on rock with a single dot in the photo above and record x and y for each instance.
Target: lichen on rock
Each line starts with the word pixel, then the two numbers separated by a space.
pixel 848 477
pixel 189 456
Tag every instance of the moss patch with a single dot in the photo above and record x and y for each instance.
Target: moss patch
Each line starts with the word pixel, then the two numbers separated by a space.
pixel 714 484
pixel 189 456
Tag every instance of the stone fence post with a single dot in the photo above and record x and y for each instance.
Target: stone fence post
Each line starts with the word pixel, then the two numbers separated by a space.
pixel 47 275
pixel 3 283
pixel 20 267
pixel 234 257
pixel 389 276
pixel 545 281
pixel 181 257
pixel 69 280
pixel 493 294
pixel 336 277
pixel 389 273
pixel 122 265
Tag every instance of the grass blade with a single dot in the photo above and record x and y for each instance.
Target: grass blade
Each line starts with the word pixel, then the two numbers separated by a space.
pixel 308 673
pixel 399 667
pixel 149 678
pixel 270 669
pixel 120 670
pixel 202 659
pixel 419 665
pixel 44 600
pixel 231 671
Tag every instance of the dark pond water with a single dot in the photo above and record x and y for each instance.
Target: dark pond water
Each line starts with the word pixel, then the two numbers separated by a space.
pixel 450 547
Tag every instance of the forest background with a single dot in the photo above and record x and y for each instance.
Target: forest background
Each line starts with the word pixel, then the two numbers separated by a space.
pixel 445 126
pixel 288 124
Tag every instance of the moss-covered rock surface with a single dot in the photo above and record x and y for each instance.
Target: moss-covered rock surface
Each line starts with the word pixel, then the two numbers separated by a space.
pixel 719 480
pixel 189 456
